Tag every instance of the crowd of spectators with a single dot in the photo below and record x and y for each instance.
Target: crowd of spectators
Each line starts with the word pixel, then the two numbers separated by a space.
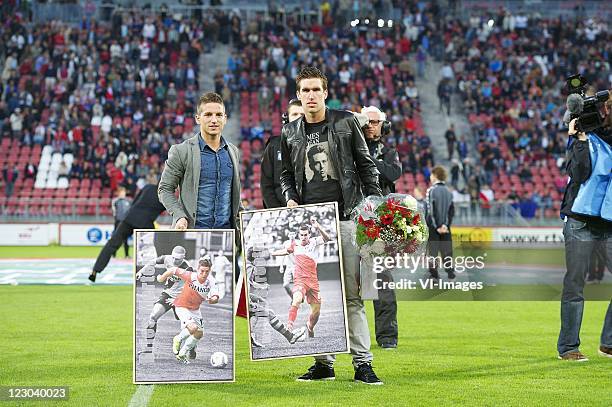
pixel 114 95
pixel 364 65
pixel 117 95
pixel 510 72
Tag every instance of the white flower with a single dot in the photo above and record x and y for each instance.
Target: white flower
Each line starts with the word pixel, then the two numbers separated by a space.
pixel 411 203
pixel 418 236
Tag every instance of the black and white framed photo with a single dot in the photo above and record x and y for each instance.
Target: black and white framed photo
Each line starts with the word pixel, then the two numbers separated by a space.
pixel 295 287
pixel 183 306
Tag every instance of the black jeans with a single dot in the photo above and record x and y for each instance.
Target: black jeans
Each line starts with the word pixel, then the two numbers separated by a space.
pixel 120 235
pixel 385 312
pixel 442 245
pixel 126 247
pixel 580 240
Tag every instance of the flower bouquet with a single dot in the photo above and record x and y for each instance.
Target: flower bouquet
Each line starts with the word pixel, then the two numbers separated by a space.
pixel 390 225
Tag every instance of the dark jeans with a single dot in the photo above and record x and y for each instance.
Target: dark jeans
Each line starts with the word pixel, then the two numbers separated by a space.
pixel 440 245
pixel 120 235
pixel 580 239
pixel 126 247
pixel 385 312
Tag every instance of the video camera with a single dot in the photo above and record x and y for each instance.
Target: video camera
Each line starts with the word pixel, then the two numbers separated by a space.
pixel 590 111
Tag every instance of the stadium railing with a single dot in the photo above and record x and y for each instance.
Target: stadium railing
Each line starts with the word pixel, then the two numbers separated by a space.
pixel 499 214
pixel 549 8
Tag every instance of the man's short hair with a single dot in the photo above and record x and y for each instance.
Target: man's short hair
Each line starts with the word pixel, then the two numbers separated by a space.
pixel 305 227
pixel 209 97
pixel 294 102
pixel 439 172
pixel 316 149
pixel 205 261
pixel 382 116
pixel 310 72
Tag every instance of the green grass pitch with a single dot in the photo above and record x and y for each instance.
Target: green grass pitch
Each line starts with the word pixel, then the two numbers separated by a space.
pixel 450 353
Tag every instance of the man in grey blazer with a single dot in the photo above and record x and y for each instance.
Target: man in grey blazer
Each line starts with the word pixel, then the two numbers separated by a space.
pixel 205 167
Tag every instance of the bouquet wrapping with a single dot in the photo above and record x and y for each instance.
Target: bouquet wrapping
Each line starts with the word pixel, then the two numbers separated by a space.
pixel 388 226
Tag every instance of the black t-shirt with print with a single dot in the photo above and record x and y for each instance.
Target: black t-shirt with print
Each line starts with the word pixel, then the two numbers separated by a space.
pixel 321 176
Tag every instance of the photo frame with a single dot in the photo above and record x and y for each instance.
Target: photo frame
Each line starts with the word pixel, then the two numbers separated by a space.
pixel 304 243
pixel 170 315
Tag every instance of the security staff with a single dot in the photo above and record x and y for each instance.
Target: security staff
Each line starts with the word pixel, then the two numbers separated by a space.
pixel 271 164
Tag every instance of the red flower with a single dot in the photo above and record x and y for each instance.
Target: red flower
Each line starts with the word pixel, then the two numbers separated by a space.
pixel 361 221
pixel 387 219
pixel 416 219
pixel 369 223
pixel 392 205
pixel 373 232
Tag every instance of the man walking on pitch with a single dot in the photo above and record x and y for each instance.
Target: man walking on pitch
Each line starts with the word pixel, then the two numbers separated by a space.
pixel 145 209
pixel 349 176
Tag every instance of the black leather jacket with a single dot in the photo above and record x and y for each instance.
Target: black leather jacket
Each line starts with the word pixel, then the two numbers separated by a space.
pixel 388 164
pixel 349 152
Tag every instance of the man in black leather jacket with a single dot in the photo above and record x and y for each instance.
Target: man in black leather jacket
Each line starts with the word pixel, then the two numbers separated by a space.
pixel 350 174
pixel 388 163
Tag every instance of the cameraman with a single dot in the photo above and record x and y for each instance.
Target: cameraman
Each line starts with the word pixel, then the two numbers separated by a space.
pixel 587 212
pixel 390 169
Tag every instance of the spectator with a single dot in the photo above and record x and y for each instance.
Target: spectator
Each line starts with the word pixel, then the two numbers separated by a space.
pixel 528 207
pixel 30 171
pixel 451 138
pixel 444 95
pixel 16 120
pixel 63 171
pixel 487 197
pixel 10 177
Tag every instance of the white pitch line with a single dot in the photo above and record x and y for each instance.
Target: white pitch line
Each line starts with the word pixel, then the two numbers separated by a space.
pixel 142 396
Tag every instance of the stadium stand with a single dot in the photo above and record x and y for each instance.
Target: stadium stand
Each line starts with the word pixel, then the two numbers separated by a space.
pixel 86 107
pixel 363 67
pixel 93 105
pixel 510 71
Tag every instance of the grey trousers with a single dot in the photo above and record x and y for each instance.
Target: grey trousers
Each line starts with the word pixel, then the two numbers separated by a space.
pixel 359 333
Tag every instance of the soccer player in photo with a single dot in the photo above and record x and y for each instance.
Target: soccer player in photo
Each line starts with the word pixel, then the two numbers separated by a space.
pixel 198 287
pixel 174 283
pixel 305 279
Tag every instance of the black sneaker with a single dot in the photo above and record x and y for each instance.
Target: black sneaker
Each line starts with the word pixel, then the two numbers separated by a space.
pixel 92 277
pixel 318 371
pixel 365 374
pixel 388 345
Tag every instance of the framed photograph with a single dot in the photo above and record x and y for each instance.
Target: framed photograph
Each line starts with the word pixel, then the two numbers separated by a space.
pixel 295 287
pixel 183 306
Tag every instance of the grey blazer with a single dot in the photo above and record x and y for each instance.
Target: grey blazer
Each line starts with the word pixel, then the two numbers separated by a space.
pixel 183 170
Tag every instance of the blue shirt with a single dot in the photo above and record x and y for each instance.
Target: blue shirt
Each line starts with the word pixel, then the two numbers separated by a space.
pixel 215 189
